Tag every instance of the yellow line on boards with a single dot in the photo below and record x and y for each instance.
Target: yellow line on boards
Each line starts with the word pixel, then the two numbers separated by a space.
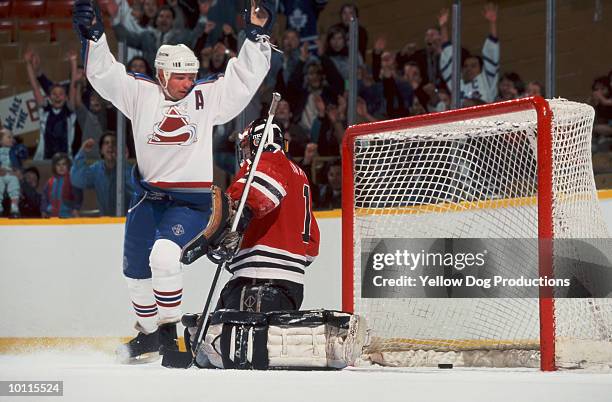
pixel 61 221
pixel 604 194
pixel 334 213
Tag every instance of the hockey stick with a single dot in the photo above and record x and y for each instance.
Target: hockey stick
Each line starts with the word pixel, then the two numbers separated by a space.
pixel 175 359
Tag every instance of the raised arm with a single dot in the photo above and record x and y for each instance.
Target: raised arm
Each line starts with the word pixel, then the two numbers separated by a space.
pixel 106 75
pixel 245 73
pixel 72 58
pixel 446 57
pixel 38 97
pixel 81 174
pixel 443 24
pixel 490 14
pixel 490 50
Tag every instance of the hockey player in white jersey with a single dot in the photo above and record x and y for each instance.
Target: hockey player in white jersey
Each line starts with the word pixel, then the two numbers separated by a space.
pixel 172 121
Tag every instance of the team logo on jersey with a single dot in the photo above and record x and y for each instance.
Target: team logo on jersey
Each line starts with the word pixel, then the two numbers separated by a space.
pixel 174 129
pixel 178 230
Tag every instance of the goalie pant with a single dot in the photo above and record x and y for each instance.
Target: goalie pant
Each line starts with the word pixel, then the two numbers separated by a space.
pixel 282 239
pixel 317 339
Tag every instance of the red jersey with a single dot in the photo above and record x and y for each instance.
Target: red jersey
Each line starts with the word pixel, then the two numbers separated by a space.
pixel 282 239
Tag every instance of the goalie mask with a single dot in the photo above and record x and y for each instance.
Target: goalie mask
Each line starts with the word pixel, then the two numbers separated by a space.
pixel 175 59
pixel 251 137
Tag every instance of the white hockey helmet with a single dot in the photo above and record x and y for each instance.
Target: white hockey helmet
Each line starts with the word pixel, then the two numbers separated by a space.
pixel 176 59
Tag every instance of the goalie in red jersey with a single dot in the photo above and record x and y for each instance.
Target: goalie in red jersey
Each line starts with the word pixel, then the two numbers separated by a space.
pixel 257 324
pixel 280 233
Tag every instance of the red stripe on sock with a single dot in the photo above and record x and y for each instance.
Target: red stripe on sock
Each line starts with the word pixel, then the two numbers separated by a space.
pixel 171 293
pixel 139 306
pixel 161 304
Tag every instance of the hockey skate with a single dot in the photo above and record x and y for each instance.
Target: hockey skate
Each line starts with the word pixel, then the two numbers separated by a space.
pixel 167 338
pixel 144 348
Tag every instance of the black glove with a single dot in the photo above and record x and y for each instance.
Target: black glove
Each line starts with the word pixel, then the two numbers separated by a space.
pixel 226 250
pixel 84 13
pixel 254 32
pixel 230 243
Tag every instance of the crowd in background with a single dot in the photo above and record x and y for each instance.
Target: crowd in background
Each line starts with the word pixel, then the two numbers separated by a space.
pixel 311 73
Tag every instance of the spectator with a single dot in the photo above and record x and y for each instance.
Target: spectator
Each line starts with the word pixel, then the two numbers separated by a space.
pixel 425 93
pixel 535 88
pixel 205 40
pixel 92 120
pixel 149 9
pixel 59 197
pixel 307 85
pixel 57 119
pixel 444 100
pixel 335 60
pixel 307 164
pixel 229 38
pixel 601 100
pixel 102 175
pixel 479 74
pixel 294 133
pixel 510 87
pixel 213 61
pixel 284 65
pixel 302 17
pixel 164 33
pixel 11 156
pixel 363 116
pixel 398 93
pixel 46 84
pixel 348 11
pixel 132 17
pixel 329 126
pixel 29 204
pixel 427 58
pixel 222 14
pixel 139 65
pixel 371 92
pixel 330 193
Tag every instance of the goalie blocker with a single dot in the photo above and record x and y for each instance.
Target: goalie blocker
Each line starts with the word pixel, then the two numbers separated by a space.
pixel 298 340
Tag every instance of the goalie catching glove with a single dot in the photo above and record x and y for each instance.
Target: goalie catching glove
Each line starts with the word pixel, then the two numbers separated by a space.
pixel 217 240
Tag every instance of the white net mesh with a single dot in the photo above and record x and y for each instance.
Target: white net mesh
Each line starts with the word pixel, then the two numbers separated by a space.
pixel 475 178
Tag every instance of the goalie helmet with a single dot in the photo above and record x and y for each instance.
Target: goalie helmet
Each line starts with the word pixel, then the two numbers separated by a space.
pixel 252 136
pixel 175 59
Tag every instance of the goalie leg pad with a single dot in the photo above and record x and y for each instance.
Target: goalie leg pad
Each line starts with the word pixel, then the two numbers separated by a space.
pixel 237 340
pixel 316 339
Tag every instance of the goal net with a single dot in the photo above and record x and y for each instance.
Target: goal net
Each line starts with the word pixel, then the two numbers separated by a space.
pixel 511 170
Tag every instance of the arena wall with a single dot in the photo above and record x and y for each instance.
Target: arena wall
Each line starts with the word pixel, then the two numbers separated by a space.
pixel 62 278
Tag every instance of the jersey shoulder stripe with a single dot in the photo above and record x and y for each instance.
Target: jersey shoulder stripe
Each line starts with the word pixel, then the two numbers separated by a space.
pixel 142 77
pixel 209 80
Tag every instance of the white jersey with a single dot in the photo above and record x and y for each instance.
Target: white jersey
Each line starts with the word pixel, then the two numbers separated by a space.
pixel 484 86
pixel 173 139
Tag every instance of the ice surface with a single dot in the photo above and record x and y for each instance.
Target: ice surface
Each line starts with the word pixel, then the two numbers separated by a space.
pixel 90 375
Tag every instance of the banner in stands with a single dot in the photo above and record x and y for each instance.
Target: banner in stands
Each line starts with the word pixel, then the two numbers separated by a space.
pixel 19 113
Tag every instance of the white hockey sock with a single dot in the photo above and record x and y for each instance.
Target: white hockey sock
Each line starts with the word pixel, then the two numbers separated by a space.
pixel 143 302
pixel 167 280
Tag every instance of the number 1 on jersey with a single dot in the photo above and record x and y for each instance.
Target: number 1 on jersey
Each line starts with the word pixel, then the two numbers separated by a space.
pixel 306 232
